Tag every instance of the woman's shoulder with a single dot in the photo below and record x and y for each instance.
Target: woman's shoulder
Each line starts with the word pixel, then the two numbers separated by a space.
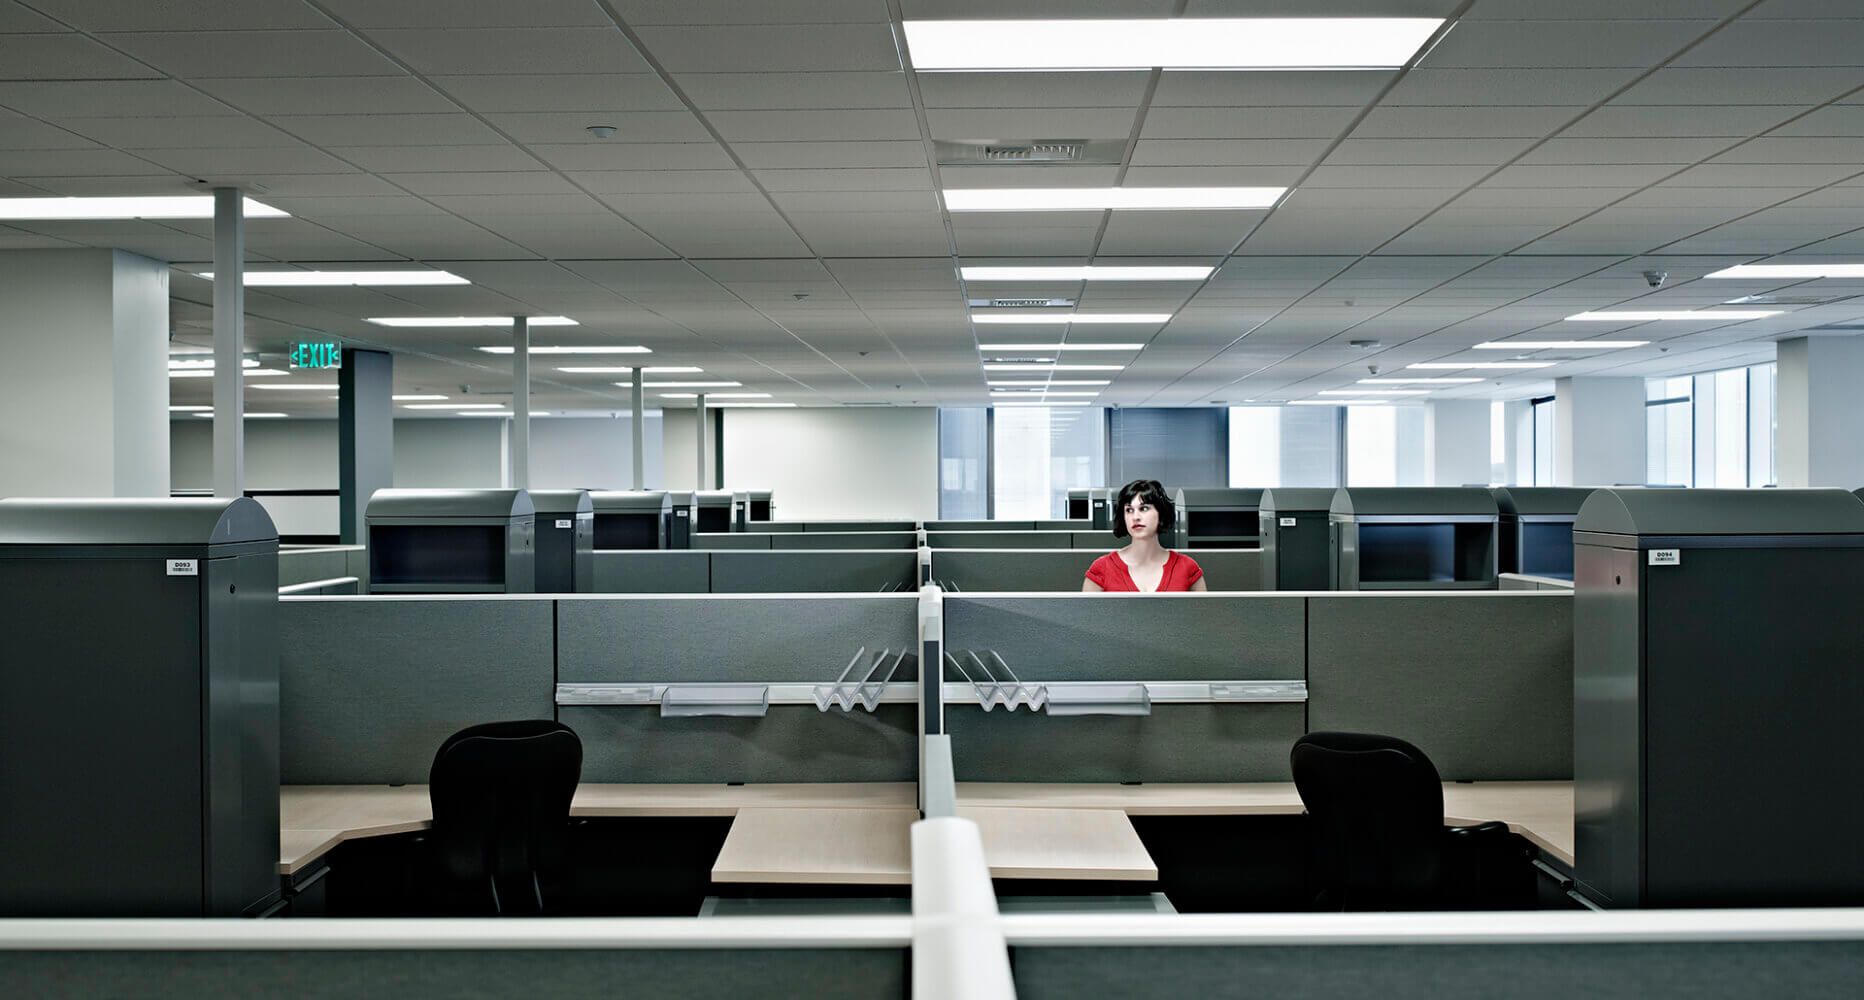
pixel 1109 559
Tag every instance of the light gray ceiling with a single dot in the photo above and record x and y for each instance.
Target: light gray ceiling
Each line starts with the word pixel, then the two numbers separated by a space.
pixel 767 209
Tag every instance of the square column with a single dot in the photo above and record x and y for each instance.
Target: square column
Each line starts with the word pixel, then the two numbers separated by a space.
pixel 365 435
pixel 84 391
pixel 1598 431
pixel 1821 412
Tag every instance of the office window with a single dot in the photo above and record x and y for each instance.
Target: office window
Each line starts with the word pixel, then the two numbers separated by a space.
pixel 1763 420
pixel 1498 442
pixel 1372 446
pixel 1669 424
pixel 1041 454
pixel 1178 446
pixel 1543 414
pixel 1290 446
pixel 963 470
pixel 1721 426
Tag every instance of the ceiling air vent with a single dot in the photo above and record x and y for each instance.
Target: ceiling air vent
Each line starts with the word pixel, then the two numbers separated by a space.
pixel 1013 152
pixel 1021 303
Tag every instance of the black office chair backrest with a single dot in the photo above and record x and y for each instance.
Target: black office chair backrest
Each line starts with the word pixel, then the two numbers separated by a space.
pixel 1377 808
pixel 501 794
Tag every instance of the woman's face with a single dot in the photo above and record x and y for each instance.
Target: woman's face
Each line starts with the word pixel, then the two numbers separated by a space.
pixel 1142 519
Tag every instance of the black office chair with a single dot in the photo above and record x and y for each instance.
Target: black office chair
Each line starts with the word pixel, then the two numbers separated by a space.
pixel 1379 842
pixel 501 794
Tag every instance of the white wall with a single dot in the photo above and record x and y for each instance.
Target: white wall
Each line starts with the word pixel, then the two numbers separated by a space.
pixel 280 454
pixel 1598 431
pixel 1821 412
pixel 456 452
pixel 826 462
pixel 679 440
pixel 594 453
pixel 84 387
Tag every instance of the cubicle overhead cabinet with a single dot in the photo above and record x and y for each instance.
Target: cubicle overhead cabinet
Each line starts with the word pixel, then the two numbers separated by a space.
pixel 452 542
pixel 760 505
pixel 632 519
pixel 1718 698
pixel 1296 552
pixel 1537 528
pixel 139 763
pixel 1218 518
pixel 1413 538
pixel 712 510
pixel 681 523
pixel 565 541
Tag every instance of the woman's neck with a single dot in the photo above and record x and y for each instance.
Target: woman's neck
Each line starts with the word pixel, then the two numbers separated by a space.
pixel 1145 550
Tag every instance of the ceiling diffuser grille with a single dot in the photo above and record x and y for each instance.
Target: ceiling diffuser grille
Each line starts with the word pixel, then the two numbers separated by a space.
pixel 1010 152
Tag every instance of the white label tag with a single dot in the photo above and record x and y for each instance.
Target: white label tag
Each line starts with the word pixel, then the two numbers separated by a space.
pixel 565 524
pixel 679 513
pixel 1287 522
pixel 1666 557
pixel 184 567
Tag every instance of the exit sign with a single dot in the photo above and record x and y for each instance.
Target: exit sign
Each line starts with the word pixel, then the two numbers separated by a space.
pixel 310 354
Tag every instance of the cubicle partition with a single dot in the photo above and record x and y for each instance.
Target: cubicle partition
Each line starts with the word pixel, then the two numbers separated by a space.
pixel 1296 551
pixel 758 541
pixel 1537 528
pixel 565 552
pixel 452 542
pixel 370 686
pixel 1059 570
pixel 760 571
pixel 1073 688
pixel 1000 539
pixel 740 688
pixel 1218 518
pixel 330 565
pixel 632 519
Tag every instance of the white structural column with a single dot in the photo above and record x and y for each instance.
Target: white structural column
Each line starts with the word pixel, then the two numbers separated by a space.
pixel 229 343
pixel 699 480
pixel 521 402
pixel 1598 431
pixel 84 390
pixel 1820 406
pixel 638 430
pixel 1456 435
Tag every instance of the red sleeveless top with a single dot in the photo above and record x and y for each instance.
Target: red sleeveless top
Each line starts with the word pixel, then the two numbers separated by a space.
pixel 1111 574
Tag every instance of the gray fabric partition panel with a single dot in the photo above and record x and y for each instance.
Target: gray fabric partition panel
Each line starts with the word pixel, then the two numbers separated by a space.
pixel 357 565
pixel 862 527
pixel 369 688
pixel 776 527
pixel 777 639
pixel 793 743
pixel 980 525
pixel 744 540
pixel 1184 742
pixel 1697 969
pixel 804 572
pixel 999 539
pixel 848 540
pixel 652 571
pixel 336 974
pixel 1230 569
pixel 1482 683
pixel 1101 637
pixel 1013 570
pixel 305 565
pixel 1095 541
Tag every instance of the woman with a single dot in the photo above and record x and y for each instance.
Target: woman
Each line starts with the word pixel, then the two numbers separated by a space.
pixel 1142 512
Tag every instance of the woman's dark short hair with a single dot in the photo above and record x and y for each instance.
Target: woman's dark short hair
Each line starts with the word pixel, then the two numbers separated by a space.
pixel 1151 492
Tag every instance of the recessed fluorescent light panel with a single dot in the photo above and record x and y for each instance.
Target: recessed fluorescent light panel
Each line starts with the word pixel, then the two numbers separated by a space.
pixel 1042 384
pixel 690 385
pixel 1374 392
pixel 209 372
pixel 1079 319
pixel 296 387
pixel 716 395
pixel 203 364
pixel 1558 345
pixel 506 349
pixel 1336 402
pixel 625 370
pixel 417 398
pixel 249 416
pixel 751 406
pixel 466 321
pixel 1795 271
pixel 1033 369
pixel 1699 315
pixel 1102 199
pixel 1168 43
pixel 190 409
pixel 455 406
pixel 1090 273
pixel 1044 403
pixel 195 206
pixel 1418 381
pixel 1494 366
pixel 1060 347
pixel 314 279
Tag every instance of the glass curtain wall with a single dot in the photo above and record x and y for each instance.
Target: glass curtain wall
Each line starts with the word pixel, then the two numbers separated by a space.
pixel 1715 429
pixel 1543 419
pixel 1290 446
pixel 963 457
pixel 1040 453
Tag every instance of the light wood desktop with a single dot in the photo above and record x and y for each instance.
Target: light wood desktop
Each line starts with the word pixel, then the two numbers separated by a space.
pixel 784 832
